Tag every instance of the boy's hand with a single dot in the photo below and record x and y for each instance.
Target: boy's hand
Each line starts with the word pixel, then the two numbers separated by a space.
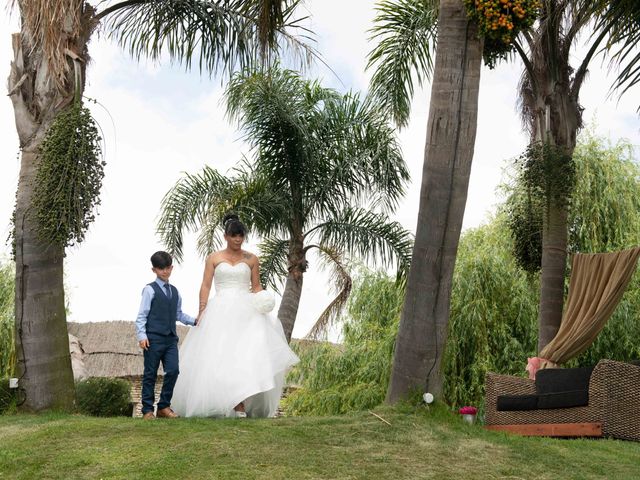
pixel 144 344
pixel 195 322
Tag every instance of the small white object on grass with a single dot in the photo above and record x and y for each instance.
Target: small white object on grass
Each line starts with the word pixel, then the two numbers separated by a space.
pixel 428 398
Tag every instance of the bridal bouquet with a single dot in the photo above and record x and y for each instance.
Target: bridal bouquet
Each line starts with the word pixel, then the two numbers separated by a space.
pixel 263 301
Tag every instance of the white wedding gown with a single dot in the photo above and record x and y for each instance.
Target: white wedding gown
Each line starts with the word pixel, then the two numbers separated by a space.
pixel 235 354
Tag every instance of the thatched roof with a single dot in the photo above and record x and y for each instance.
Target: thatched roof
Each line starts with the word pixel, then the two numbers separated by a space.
pixel 110 349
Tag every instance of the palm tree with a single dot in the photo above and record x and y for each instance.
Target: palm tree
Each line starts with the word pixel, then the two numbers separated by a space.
pixel 47 76
pixel 316 156
pixel 549 94
pixel 410 30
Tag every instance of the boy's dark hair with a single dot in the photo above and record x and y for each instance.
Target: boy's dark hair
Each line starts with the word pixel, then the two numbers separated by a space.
pixel 233 226
pixel 161 260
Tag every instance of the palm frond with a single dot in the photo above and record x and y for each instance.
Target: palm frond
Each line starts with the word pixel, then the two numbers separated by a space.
pixel 275 110
pixel 368 235
pixel 358 158
pixel 262 207
pixel 342 282
pixel 406 32
pixel 273 262
pixel 622 19
pixel 220 36
pixel 190 204
pixel 325 150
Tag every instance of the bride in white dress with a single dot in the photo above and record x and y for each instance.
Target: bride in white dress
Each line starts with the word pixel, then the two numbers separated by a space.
pixel 234 361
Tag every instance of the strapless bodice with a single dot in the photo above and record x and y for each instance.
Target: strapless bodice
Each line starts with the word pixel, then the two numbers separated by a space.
pixel 232 277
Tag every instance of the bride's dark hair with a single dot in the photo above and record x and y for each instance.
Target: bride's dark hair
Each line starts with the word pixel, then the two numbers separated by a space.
pixel 233 226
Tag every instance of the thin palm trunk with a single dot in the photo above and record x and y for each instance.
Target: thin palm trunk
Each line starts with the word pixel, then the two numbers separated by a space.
pixel 564 128
pixel 449 147
pixel 293 287
pixel 559 117
pixel 554 257
pixel 290 302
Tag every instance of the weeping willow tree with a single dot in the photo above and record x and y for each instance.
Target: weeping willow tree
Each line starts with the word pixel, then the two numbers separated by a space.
pixel 354 375
pixel 7 345
pixel 493 313
pixel 604 217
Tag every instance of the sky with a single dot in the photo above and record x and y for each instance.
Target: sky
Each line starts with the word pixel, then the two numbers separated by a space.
pixel 159 121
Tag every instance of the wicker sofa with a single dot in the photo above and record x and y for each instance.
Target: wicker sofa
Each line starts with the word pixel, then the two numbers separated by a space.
pixel 613 408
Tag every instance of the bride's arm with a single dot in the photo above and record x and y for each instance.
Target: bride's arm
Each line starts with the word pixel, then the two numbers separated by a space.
pixel 255 275
pixel 207 280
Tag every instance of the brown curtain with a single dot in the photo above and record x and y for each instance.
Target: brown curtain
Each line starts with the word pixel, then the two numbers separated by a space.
pixel 597 284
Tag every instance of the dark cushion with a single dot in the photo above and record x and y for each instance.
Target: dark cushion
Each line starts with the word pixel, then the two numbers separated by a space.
pixel 574 398
pixel 555 380
pixel 517 402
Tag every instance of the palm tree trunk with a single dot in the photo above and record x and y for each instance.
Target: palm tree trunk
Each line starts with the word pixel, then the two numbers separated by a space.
pixel 288 310
pixel 42 343
pixel 554 257
pixel 565 120
pixel 449 147
pixel 290 302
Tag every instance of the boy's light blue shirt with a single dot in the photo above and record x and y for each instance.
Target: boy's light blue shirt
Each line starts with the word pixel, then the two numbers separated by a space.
pixel 145 305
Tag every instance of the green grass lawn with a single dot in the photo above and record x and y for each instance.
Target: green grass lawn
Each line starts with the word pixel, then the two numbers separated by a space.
pixel 420 443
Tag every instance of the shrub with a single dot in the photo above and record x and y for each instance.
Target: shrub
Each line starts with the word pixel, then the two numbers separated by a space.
pixel 104 397
pixel 7 396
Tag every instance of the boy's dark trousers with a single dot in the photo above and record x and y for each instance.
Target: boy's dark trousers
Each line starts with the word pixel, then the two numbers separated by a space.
pixel 162 348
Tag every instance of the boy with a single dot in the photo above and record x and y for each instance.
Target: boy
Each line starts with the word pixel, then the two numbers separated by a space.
pixel 160 308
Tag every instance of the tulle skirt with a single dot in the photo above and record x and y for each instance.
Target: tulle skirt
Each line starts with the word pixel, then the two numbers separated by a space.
pixel 235 354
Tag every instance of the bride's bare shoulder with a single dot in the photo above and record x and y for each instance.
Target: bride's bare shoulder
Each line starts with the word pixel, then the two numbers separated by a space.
pixel 213 258
pixel 250 258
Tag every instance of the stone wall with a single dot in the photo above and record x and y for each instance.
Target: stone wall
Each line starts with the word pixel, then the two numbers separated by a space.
pixel 136 393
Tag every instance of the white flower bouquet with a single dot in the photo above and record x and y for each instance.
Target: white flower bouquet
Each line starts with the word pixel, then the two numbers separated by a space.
pixel 263 301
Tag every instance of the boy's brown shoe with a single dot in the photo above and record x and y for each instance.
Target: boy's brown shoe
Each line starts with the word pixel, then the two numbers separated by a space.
pixel 148 416
pixel 167 413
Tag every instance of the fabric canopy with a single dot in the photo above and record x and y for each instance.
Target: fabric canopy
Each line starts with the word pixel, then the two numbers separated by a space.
pixel 597 284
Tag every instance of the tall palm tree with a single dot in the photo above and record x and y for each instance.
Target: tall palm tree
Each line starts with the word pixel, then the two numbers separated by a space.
pixel 549 95
pixel 410 31
pixel 48 72
pixel 316 156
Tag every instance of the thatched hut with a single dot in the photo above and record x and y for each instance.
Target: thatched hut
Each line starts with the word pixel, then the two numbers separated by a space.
pixel 110 349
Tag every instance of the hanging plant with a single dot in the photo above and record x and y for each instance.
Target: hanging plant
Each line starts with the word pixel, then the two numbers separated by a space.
pixel 69 177
pixel 547 175
pixel 499 22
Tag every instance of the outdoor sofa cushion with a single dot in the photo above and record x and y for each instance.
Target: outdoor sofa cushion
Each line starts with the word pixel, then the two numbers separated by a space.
pixel 556 380
pixel 573 398
pixel 555 387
